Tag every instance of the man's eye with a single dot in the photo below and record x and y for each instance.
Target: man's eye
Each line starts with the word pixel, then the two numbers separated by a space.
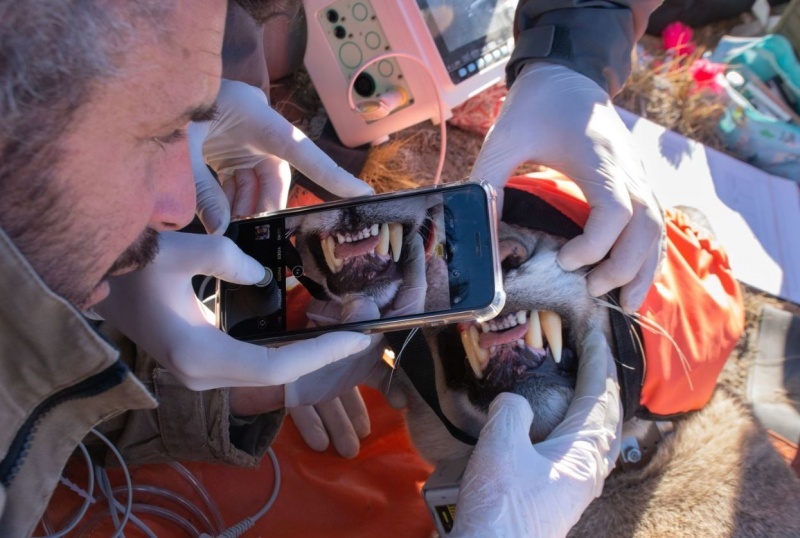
pixel 175 136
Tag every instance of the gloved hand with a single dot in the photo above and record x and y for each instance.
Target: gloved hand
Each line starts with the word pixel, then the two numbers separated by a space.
pixel 250 147
pixel 156 308
pixel 323 405
pixel 513 488
pixel 343 421
pixel 561 119
pixel 331 381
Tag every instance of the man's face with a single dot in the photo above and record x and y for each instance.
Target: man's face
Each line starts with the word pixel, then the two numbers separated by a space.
pixel 124 170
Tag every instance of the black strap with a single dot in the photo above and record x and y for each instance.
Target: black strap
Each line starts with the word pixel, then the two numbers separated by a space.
pixel 415 358
pixel 629 352
pixel 528 210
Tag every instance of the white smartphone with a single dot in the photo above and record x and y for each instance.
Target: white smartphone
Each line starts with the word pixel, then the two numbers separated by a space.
pixel 319 257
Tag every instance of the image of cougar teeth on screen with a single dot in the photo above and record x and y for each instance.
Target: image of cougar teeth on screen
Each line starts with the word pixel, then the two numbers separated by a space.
pixel 404 259
pixel 373 249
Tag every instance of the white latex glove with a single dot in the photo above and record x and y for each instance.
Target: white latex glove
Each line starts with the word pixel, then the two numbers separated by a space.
pixel 326 405
pixel 156 308
pixel 250 147
pixel 561 119
pixel 366 367
pixel 513 488
pixel 344 421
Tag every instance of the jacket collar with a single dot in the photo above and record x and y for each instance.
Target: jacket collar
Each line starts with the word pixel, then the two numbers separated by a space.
pixel 46 344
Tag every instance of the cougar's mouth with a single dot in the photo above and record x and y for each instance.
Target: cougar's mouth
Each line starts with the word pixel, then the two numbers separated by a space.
pixel 536 332
pixel 377 244
pixel 506 351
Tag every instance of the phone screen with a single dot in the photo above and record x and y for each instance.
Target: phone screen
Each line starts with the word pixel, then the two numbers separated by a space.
pixel 410 255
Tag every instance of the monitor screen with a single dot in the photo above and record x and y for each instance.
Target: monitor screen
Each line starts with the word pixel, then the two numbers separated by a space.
pixel 470 34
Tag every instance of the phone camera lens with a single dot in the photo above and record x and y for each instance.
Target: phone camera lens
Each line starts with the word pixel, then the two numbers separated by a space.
pixel 339 32
pixel 333 15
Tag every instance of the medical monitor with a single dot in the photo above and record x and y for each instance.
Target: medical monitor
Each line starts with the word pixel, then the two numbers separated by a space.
pixel 465 45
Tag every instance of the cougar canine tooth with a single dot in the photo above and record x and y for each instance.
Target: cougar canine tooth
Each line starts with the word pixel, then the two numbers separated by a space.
pixel 472 356
pixel 334 263
pixel 383 240
pixel 483 354
pixel 533 337
pixel 396 239
pixel 551 326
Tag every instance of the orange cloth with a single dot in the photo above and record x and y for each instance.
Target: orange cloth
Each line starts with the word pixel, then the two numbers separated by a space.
pixel 321 494
pixel 696 298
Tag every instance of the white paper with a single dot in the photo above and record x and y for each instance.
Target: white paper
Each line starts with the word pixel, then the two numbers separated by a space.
pixel 755 215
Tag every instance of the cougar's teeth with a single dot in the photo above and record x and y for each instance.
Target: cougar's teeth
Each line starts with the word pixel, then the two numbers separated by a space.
pixel 472 355
pixel 551 326
pixel 483 354
pixel 383 240
pixel 484 327
pixel 521 317
pixel 374 229
pixel 476 355
pixel 533 338
pixel 334 263
pixel 396 239
pixel 340 238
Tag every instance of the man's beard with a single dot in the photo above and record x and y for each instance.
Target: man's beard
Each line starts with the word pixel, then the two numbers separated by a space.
pixel 138 255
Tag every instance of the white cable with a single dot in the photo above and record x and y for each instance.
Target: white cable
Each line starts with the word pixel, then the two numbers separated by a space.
pixel 246 524
pixel 442 127
pixel 175 498
pixel 202 289
pixel 198 487
pixel 129 503
pixel 88 497
pixel 105 487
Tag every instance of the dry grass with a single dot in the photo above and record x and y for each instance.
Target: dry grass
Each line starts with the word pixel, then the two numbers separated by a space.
pixel 664 91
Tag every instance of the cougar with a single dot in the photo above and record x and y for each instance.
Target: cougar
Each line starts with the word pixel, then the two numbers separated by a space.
pixel 715 475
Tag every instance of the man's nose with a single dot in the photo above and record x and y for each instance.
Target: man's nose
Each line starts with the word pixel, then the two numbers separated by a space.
pixel 175 191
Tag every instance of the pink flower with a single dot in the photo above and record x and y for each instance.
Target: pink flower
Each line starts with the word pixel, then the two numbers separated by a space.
pixel 678 39
pixel 704 72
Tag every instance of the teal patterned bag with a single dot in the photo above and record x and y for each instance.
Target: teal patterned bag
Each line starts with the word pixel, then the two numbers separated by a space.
pixel 754 135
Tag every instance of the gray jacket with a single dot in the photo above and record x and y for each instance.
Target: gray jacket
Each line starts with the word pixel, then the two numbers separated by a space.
pixel 592 37
pixel 59 378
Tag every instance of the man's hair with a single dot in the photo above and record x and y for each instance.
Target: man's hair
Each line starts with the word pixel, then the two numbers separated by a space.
pixel 51 56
